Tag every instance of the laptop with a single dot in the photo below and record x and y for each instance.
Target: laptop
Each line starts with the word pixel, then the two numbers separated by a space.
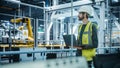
pixel 67 40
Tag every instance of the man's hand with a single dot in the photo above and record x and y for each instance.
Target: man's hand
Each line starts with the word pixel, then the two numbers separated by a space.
pixel 78 47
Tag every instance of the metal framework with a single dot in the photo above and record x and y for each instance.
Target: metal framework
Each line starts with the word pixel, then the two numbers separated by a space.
pixel 25 4
pixel 68 5
pixel 36 51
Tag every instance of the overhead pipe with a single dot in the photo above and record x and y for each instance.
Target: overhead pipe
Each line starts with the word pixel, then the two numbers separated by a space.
pixel 25 4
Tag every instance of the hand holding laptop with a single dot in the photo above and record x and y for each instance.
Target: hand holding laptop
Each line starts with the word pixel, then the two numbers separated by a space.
pixel 78 47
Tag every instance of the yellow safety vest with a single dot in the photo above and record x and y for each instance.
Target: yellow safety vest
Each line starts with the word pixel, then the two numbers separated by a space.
pixel 87 40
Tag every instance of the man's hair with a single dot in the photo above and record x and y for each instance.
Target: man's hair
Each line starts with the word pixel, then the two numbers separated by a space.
pixel 87 15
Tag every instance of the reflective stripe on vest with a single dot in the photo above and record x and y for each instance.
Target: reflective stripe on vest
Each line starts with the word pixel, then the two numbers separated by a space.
pixel 86 36
pixel 87 40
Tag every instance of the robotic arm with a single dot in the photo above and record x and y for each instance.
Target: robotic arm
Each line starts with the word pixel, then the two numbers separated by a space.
pixel 28 22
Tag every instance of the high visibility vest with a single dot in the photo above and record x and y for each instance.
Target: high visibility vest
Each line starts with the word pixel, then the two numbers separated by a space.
pixel 87 40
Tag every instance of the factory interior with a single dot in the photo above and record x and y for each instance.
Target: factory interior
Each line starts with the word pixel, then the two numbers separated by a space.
pixel 32 33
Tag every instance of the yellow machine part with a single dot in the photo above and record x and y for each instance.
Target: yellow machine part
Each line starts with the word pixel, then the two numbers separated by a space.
pixel 29 27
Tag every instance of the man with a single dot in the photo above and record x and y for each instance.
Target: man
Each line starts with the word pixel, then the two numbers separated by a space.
pixel 87 35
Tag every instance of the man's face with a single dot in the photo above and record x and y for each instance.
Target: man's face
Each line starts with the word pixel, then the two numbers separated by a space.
pixel 81 16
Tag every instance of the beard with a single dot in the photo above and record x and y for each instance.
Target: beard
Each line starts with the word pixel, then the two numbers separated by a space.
pixel 81 18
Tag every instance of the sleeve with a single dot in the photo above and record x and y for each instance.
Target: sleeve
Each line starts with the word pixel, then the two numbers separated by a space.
pixel 78 40
pixel 94 36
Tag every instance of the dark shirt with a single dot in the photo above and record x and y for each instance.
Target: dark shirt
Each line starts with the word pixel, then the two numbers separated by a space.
pixel 94 36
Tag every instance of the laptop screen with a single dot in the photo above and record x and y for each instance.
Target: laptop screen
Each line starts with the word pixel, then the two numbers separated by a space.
pixel 67 40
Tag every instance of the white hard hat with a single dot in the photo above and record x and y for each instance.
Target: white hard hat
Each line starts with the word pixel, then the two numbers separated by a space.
pixel 88 9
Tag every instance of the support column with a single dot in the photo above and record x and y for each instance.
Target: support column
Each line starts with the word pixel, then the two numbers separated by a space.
pixel 102 27
pixel 48 26
pixel 55 2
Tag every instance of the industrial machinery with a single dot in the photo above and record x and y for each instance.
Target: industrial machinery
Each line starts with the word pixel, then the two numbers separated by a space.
pixel 17 42
pixel 28 45
pixel 7 30
pixel 29 27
